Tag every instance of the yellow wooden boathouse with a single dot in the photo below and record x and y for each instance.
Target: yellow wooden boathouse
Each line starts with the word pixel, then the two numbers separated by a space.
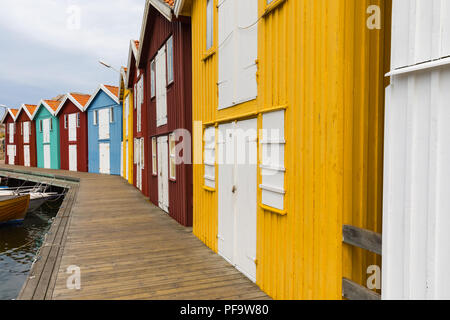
pixel 314 72
pixel 126 99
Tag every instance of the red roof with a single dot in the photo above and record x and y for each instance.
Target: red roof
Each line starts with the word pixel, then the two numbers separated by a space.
pixel 31 108
pixel 114 90
pixel 81 98
pixel 52 104
pixel 170 2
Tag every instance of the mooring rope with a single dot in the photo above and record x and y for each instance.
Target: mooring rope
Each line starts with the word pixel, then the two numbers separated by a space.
pixel 15 249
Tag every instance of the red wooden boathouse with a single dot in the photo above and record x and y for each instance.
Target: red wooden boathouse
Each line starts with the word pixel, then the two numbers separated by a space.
pixel 165 56
pixel 135 82
pixel 73 131
pixel 26 134
pixel 12 144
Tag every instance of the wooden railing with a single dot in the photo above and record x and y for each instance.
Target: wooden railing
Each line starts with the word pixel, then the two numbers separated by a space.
pixel 367 240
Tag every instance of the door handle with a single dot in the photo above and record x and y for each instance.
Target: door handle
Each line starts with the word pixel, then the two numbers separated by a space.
pixel 234 189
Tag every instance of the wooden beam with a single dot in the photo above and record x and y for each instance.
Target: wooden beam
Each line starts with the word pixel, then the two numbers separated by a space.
pixel 354 291
pixel 361 238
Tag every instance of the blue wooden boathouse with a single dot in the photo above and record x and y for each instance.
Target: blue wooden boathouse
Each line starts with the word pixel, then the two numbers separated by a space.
pixel 104 114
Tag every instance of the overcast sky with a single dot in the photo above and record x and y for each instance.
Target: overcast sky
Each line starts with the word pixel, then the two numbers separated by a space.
pixel 50 47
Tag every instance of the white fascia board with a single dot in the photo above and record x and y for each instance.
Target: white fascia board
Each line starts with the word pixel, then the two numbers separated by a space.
pixel 420 67
pixel 164 9
pixel 105 90
pixel 178 7
pixel 68 96
pixel 49 109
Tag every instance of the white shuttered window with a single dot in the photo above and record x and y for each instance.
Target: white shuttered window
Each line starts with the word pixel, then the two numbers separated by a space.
pixel 161 88
pixel 26 131
pixel 272 163
pixel 238 52
pixel 209 157
pixel 11 132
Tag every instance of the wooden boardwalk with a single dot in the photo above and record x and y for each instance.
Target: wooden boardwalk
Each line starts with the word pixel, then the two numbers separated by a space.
pixel 126 248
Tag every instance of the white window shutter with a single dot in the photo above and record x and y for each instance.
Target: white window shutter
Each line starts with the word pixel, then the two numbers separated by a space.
pixel 272 164
pixel 209 157
pixel 238 52
pixel 227 33
pixel 161 88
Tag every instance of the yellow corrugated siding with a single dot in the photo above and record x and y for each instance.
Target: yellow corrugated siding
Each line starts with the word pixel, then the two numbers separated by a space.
pixel 318 58
pixel 128 139
pixel 205 77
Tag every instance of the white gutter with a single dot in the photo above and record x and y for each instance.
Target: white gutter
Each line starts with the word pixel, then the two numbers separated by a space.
pixel 420 67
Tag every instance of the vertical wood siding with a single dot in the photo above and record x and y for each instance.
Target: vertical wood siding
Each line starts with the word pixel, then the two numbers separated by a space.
pixel 179 107
pixel 102 100
pixel 416 240
pixel 128 139
pixel 7 121
pixel 318 60
pixel 23 117
pixel 82 138
pixel 55 158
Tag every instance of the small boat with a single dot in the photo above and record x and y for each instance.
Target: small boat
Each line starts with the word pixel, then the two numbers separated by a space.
pixel 13 208
pixel 37 197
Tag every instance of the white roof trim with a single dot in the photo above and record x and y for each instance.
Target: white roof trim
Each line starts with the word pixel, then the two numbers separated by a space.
pixel 23 107
pixel 133 51
pixel 12 114
pixel 442 62
pixel 4 116
pixel 122 79
pixel 105 90
pixel 164 9
pixel 178 7
pixel 49 109
pixel 68 96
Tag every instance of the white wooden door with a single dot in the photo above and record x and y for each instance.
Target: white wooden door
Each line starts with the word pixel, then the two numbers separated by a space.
pixel 103 124
pixel 26 156
pixel 139 156
pixel 237 192
pixel 47 156
pixel 121 160
pixel 104 158
pixel 72 127
pixel 246 199
pixel 73 157
pixel 226 185
pixel 163 173
pixel 11 154
pixel 127 161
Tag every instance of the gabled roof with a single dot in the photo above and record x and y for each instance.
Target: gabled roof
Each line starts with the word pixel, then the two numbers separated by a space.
pixel 78 99
pixel 111 91
pixel 133 52
pixel 12 112
pixel 122 80
pixel 30 110
pixel 8 112
pixel 50 105
pixel 165 7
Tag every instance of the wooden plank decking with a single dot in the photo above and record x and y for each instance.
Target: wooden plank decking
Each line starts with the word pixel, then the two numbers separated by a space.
pixel 126 248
